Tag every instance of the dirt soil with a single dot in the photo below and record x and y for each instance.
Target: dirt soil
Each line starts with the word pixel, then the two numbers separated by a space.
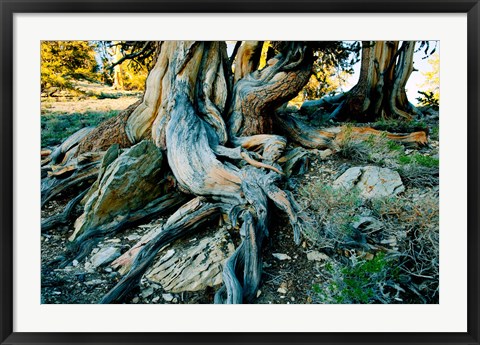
pixel 66 102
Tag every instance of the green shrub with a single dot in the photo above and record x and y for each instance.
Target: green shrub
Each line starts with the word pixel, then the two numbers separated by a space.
pixel 336 209
pixel 399 126
pixel 360 281
pixel 419 159
pixel 375 149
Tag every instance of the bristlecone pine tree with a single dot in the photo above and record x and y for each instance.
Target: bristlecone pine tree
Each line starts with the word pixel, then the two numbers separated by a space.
pixel 380 91
pixel 202 142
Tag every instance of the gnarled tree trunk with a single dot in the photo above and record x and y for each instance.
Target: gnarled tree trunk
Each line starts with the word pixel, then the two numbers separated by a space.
pixel 380 91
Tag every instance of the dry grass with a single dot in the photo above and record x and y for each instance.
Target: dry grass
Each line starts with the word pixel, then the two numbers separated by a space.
pixel 382 251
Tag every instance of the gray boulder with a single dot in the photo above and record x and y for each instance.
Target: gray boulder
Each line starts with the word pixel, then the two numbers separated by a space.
pixel 372 181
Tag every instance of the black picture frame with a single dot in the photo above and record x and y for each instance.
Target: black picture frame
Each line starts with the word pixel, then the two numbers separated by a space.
pixel 10 7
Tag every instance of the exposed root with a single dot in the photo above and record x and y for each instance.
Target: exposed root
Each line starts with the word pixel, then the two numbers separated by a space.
pixel 52 186
pixel 258 164
pixel 83 245
pixel 332 137
pixel 63 217
pixel 188 218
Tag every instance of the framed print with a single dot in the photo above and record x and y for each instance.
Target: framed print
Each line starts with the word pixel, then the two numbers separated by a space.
pixel 311 166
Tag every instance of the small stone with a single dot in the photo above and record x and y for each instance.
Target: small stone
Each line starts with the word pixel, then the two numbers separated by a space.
pixel 57 293
pixel 113 240
pixel 75 263
pixel 105 256
pixel 95 282
pixel 156 299
pixel 325 153
pixel 316 256
pixel 146 226
pixel 108 269
pixel 368 256
pixel 133 237
pixel 282 290
pixel 259 292
pixel 135 300
pixel 293 299
pixel 147 292
pixel 281 256
pixel 175 300
pixel 168 297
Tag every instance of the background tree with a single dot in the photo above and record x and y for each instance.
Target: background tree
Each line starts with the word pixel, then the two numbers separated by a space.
pixel 63 61
pixel 126 63
pixel 380 91
pixel 430 95
pixel 334 62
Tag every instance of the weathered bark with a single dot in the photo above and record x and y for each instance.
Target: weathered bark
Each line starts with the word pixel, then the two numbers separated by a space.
pixel 380 91
pixel 63 217
pixel 333 137
pixel 108 133
pixel 256 96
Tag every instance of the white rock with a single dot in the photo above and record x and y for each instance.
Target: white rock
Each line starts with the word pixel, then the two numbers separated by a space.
pixel 156 299
pixel 168 297
pixel 133 237
pixel 282 290
pixel 95 282
pixel 372 181
pixel 75 263
pixel 281 256
pixel 105 256
pixel 325 153
pixel 317 256
pixel 147 292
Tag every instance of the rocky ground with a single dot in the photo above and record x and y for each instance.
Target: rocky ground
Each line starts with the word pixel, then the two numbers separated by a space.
pixel 356 249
